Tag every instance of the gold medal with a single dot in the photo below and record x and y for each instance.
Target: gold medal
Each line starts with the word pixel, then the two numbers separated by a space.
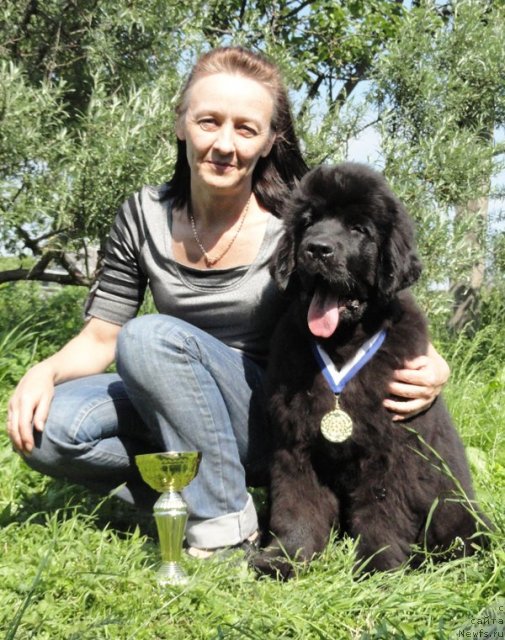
pixel 336 425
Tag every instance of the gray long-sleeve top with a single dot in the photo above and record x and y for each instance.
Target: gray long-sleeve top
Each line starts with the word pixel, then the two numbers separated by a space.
pixel 239 305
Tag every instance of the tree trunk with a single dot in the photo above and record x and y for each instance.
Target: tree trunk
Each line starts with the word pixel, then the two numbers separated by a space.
pixel 466 291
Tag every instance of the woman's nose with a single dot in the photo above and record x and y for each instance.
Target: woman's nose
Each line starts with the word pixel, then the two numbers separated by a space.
pixel 224 139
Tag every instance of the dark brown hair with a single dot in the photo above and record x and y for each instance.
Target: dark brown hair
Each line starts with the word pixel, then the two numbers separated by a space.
pixel 275 175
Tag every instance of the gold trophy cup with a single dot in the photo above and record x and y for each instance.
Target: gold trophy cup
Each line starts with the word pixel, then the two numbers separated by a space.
pixel 169 473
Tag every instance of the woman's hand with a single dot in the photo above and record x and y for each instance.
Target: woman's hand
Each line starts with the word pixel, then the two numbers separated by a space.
pixel 90 352
pixel 419 383
pixel 29 406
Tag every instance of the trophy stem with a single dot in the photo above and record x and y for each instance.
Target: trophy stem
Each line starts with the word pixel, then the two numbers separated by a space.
pixel 171 515
pixel 169 472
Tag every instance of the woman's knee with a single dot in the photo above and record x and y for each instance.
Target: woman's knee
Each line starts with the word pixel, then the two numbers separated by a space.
pixel 136 338
pixel 82 412
pixel 147 343
pixel 51 449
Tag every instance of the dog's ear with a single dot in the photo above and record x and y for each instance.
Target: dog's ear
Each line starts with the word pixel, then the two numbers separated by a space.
pixel 400 265
pixel 282 265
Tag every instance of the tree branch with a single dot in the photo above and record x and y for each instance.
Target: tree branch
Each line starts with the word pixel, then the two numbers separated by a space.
pixel 51 234
pixel 41 265
pixel 15 275
pixel 314 88
pixel 297 9
pixel 351 83
pixel 30 243
pixel 243 5
pixel 34 243
pixel 38 272
pixel 68 263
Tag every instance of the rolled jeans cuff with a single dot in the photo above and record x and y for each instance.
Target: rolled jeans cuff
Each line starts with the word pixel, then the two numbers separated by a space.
pixel 224 531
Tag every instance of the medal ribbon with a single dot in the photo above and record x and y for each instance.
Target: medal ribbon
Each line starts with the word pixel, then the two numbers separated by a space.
pixel 338 378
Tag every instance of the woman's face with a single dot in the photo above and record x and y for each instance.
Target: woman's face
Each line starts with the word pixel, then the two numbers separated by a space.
pixel 227 127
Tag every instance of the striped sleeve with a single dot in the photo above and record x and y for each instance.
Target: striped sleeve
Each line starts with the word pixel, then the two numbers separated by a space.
pixel 119 289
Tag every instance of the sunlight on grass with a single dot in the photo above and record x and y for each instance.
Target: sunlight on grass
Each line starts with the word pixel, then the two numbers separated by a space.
pixel 75 566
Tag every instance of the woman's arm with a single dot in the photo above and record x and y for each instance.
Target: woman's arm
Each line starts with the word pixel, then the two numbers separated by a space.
pixel 90 352
pixel 419 383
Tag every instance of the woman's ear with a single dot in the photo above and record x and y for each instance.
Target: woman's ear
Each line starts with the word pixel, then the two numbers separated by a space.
pixel 269 145
pixel 180 131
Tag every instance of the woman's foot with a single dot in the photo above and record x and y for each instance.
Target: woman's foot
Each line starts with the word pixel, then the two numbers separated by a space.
pixel 249 545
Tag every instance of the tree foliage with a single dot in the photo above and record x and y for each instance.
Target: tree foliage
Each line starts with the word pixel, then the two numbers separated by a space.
pixel 441 92
pixel 87 92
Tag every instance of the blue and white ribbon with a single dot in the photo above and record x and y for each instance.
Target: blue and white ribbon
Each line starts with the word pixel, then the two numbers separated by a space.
pixel 338 378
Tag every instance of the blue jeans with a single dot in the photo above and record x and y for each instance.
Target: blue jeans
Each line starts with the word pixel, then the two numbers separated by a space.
pixel 178 388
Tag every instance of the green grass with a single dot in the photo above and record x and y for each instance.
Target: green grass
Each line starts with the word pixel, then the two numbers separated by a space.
pixel 74 566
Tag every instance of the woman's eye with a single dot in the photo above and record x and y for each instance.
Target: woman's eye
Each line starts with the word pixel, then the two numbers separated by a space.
pixel 207 124
pixel 247 131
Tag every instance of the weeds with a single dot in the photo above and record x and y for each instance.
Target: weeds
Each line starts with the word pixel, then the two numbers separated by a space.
pixel 76 567
pixel 18 348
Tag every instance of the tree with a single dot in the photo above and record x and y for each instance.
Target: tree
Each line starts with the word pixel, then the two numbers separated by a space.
pixel 81 123
pixel 441 93
pixel 87 94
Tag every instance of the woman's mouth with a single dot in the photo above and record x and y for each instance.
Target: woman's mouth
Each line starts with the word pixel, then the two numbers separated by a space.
pixel 221 166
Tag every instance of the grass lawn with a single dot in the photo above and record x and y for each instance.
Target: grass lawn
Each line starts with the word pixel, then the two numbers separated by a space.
pixel 74 566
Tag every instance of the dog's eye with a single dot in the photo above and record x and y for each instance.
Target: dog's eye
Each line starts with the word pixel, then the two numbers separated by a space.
pixel 359 228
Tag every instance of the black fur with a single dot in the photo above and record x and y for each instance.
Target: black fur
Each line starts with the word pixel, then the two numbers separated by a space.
pixel 392 484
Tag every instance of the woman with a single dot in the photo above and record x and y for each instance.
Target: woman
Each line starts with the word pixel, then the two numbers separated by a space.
pixel 191 377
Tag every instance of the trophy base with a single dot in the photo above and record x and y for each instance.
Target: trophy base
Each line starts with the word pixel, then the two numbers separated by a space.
pixel 171 573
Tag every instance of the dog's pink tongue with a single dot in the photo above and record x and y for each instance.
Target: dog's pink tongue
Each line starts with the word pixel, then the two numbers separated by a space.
pixel 323 315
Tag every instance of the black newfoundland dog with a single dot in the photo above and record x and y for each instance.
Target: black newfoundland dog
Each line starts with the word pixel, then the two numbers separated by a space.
pixel 339 461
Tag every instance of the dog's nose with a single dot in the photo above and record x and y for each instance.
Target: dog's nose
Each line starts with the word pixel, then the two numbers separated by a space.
pixel 320 250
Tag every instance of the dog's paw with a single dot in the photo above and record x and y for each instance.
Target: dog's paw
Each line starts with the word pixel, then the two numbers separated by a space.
pixel 272 562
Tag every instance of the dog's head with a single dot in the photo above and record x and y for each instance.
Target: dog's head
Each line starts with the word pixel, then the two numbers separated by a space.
pixel 348 242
